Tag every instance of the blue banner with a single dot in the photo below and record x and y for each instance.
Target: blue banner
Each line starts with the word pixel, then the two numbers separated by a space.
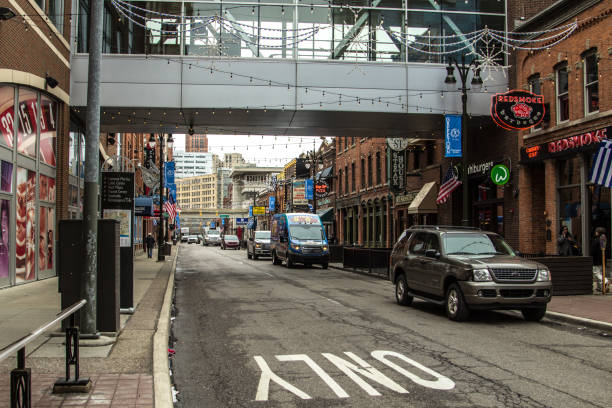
pixel 271 203
pixel 452 136
pixel 212 225
pixel 250 210
pixel 169 173
pixel 171 190
pixel 309 195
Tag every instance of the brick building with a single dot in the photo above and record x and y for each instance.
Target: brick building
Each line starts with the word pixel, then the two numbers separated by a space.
pixel 196 143
pixel 556 158
pixel 34 123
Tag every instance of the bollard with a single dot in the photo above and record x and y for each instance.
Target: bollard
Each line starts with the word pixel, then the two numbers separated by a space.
pixel 72 359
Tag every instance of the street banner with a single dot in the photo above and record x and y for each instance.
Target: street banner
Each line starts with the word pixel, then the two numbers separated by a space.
pixel 309 194
pixel 172 190
pixel 299 193
pixel 271 203
pixel 452 136
pixel 250 210
pixel 398 171
pixel 212 225
pixel 169 172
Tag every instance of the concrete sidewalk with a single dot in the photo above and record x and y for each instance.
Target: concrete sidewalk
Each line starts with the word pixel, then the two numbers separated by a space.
pixel 122 372
pixel 594 311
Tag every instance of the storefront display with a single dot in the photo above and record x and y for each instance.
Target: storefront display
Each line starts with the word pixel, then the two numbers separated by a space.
pixel 5 216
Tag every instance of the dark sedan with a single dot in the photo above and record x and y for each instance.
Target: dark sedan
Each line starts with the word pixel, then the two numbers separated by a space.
pixel 230 242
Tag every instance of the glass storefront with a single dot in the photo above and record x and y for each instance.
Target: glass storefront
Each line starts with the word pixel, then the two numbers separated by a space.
pixel 27 184
pixel 361 30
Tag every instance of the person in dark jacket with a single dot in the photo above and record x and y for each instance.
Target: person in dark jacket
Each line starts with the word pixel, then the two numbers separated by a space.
pixel 150 241
pixel 599 241
pixel 565 242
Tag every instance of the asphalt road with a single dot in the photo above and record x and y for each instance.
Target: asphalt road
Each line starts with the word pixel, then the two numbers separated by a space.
pixel 251 334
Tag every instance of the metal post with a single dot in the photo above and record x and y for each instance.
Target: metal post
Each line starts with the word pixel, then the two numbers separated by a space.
pixel 465 221
pixel 92 171
pixel 160 227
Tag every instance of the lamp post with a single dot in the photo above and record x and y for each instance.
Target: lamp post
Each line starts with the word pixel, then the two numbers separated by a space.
pixel 160 227
pixel 464 69
pixel 313 160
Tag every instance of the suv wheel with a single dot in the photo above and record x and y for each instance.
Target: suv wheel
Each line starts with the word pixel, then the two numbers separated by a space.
pixel 288 262
pixel 534 315
pixel 456 308
pixel 255 256
pixel 248 253
pixel 401 292
pixel 275 260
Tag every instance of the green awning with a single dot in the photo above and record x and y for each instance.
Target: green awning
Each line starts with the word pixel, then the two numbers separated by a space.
pixel 327 215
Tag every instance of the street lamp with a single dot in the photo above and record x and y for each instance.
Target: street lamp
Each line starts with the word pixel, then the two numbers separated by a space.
pixel 160 227
pixel 312 161
pixel 464 69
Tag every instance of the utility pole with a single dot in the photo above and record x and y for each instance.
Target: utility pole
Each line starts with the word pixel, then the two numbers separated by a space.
pixel 89 276
pixel 161 242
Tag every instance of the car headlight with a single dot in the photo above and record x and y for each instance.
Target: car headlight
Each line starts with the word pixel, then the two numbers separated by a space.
pixel 324 248
pixel 481 275
pixel 257 245
pixel 543 275
pixel 295 247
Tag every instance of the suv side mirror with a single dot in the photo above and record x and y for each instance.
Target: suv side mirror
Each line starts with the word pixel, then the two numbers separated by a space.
pixel 432 253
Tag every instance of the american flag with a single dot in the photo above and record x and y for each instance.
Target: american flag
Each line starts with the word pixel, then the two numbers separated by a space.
pixel 601 172
pixel 170 207
pixel 449 184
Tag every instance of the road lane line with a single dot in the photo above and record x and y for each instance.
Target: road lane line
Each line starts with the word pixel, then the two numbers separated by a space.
pixel 366 370
pixel 264 382
pixel 336 388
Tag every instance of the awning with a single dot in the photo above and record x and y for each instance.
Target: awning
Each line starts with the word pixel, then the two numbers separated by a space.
pixel 327 215
pixel 325 173
pixel 143 206
pixel 425 200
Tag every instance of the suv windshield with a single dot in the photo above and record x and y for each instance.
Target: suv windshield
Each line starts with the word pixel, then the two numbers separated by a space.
pixel 262 235
pixel 213 232
pixel 475 244
pixel 305 232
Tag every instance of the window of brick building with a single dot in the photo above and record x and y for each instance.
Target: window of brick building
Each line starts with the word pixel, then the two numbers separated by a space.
pixel 378 169
pixel 562 94
pixel 536 87
pixel 363 173
pixel 353 176
pixel 346 183
pixel 416 154
pixel 430 153
pixel 370 170
pixel 591 83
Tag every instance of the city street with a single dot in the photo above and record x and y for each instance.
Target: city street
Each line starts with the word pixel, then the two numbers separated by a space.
pixel 249 333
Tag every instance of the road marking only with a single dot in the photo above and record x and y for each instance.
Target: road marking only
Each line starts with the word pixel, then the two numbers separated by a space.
pixel 354 372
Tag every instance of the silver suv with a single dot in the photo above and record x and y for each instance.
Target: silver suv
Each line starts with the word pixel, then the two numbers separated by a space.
pixel 465 269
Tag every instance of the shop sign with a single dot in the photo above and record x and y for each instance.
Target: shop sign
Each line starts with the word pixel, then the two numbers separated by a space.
pixel 323 202
pixel 406 199
pixel 398 170
pixel 299 192
pixel 259 210
pixel 517 109
pixel 567 145
pixel 321 188
pixel 479 168
pixel 397 144
pixel 500 175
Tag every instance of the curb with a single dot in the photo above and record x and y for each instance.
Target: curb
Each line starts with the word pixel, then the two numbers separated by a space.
pixel 162 386
pixel 363 273
pixel 580 321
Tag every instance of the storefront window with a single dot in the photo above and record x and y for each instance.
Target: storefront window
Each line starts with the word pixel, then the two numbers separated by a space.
pixel 6 183
pixel 25 225
pixel 7 118
pixel 46 238
pixel 5 216
pixel 569 172
pixel 48 130
pixel 26 138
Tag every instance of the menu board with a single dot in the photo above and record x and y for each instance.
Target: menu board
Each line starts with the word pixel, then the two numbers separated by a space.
pixel 118 202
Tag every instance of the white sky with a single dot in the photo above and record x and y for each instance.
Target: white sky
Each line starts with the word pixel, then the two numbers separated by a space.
pixel 275 151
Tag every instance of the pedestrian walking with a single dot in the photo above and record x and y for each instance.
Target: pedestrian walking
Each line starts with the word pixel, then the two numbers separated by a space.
pixel 565 242
pixel 598 242
pixel 150 241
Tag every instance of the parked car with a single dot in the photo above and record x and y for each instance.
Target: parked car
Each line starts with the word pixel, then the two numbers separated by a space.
pixel 192 239
pixel 212 237
pixel 299 238
pixel 184 238
pixel 200 238
pixel 258 244
pixel 230 241
pixel 465 269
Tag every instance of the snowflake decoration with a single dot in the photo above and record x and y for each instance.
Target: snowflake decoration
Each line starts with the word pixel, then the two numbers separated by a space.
pixel 489 55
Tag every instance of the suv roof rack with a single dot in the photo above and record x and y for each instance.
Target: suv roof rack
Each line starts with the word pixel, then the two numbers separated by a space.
pixel 438 227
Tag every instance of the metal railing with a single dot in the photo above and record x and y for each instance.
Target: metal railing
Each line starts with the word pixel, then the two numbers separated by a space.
pixel 370 260
pixel 21 377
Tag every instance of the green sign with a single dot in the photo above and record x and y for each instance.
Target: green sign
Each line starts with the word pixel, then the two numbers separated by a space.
pixel 500 174
pixel 224 216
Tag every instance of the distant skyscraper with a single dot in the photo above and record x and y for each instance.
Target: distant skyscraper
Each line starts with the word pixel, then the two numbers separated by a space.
pixel 196 143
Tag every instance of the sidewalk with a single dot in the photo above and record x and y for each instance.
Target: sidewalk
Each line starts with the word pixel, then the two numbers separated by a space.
pixel 593 311
pixel 121 373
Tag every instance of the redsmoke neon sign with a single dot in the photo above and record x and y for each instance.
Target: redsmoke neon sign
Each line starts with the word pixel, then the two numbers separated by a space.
pixel 517 110
pixel 565 146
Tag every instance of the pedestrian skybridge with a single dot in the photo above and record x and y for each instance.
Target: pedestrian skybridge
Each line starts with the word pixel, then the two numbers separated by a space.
pixel 374 68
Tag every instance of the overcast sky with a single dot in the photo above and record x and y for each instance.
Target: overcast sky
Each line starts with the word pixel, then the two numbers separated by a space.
pixel 269 151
